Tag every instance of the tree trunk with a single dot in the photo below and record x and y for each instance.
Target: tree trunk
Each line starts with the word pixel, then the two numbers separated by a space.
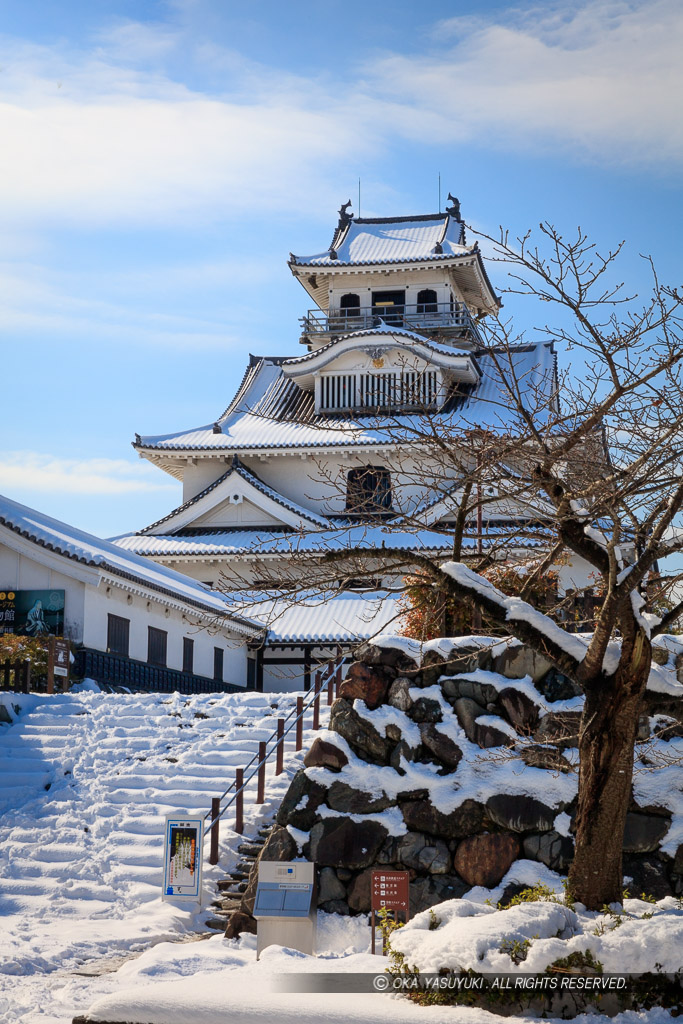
pixel 606 746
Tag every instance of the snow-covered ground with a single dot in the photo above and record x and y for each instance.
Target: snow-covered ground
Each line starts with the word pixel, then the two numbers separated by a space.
pixel 86 780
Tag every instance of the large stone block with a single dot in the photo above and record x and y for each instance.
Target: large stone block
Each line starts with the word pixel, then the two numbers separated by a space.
pixel 643 833
pixel 359 892
pixel 519 813
pixel 442 747
pixel 486 859
pixel 325 755
pixel 545 757
pixel 426 710
pixel 521 711
pixel 301 788
pixel 361 736
pixel 467 711
pixel 422 816
pixel 517 662
pixel 399 694
pixel 330 887
pixel 648 875
pixel 341 842
pixel 342 797
pixel 561 728
pixel 365 682
pixel 482 693
pixel 414 850
pixel 552 849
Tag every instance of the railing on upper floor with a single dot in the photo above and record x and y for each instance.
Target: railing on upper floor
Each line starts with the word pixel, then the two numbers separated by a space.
pixel 452 319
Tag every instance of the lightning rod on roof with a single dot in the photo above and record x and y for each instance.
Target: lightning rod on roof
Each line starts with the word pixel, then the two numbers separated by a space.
pixel 359 197
pixel 439 191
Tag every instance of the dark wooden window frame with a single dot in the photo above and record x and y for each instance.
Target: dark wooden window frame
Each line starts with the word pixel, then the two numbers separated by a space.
pixel 118 635
pixel 157 647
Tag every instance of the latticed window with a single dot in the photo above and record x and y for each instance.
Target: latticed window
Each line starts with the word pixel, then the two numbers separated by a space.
pixel 368 490
pixel 408 389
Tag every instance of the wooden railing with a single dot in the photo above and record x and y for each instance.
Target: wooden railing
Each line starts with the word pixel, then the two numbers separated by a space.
pixel 327 680
pixel 138 675
pixel 15 675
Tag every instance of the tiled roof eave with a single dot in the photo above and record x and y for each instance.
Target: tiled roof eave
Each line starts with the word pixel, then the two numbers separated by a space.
pixel 104 565
pixel 326 261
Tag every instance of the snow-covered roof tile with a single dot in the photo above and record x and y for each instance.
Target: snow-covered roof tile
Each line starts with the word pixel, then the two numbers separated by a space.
pixel 72 543
pixel 215 543
pixel 343 618
pixel 393 240
pixel 274 413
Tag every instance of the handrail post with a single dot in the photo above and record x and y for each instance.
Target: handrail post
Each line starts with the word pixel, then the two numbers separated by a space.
pixel 280 747
pixel 26 677
pixel 215 811
pixel 330 684
pixel 299 723
pixel 261 784
pixel 338 672
pixel 316 702
pixel 239 800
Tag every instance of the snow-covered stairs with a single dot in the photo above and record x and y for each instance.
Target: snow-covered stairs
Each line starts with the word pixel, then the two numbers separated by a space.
pixel 86 782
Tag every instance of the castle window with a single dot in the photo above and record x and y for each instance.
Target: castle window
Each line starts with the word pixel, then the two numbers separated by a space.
pixel 368 490
pixel 426 301
pixel 350 305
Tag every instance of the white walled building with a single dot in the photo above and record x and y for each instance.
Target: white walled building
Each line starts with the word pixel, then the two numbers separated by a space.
pixel 305 458
pixel 131 621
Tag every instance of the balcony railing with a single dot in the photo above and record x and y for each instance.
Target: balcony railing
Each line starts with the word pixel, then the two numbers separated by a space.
pixel 138 675
pixel 452 319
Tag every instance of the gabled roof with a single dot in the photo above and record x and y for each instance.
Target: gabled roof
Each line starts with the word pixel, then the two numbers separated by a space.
pixel 255 490
pixel 272 413
pixel 365 240
pixel 81 547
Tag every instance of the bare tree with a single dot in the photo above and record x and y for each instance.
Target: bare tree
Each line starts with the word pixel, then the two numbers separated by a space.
pixel 598 456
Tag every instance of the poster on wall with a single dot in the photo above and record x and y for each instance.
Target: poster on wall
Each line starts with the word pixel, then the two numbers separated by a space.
pixel 183 858
pixel 32 612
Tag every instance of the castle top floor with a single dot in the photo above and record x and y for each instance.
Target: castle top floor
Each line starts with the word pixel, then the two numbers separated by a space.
pixel 410 272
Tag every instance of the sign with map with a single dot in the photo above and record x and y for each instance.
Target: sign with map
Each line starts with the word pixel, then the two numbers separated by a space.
pixel 32 612
pixel 183 858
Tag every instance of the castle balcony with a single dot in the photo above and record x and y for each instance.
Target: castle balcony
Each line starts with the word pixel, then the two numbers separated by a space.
pixel 440 320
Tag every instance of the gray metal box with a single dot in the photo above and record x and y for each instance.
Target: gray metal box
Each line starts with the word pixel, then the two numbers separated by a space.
pixel 285 907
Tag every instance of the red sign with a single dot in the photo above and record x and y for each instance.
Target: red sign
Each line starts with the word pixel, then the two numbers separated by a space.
pixel 390 889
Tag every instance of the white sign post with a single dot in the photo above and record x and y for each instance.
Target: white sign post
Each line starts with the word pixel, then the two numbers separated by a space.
pixel 183 858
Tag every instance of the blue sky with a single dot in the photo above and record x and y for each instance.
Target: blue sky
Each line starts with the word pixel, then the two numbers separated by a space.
pixel 160 161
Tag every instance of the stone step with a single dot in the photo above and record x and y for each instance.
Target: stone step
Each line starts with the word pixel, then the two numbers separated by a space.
pixel 250 849
pixel 217 924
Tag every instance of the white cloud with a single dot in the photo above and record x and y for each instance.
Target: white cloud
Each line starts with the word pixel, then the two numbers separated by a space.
pixel 41 473
pixel 111 136
pixel 601 80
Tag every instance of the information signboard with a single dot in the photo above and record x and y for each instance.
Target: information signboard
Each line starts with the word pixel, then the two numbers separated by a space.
pixel 60 654
pixel 389 890
pixel 32 612
pixel 183 858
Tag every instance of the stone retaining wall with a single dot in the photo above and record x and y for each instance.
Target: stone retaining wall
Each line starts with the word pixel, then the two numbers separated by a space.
pixel 457 762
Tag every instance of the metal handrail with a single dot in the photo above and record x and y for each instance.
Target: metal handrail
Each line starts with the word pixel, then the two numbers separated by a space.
pixel 422 316
pixel 317 690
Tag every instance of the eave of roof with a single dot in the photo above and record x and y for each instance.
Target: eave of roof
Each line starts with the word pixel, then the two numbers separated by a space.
pixel 53 529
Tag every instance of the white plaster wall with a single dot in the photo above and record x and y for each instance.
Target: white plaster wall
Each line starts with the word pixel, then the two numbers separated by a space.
pixel 576 575
pixel 19 572
pixel 109 599
pixel 365 282
pixel 199 476
pixel 320 483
